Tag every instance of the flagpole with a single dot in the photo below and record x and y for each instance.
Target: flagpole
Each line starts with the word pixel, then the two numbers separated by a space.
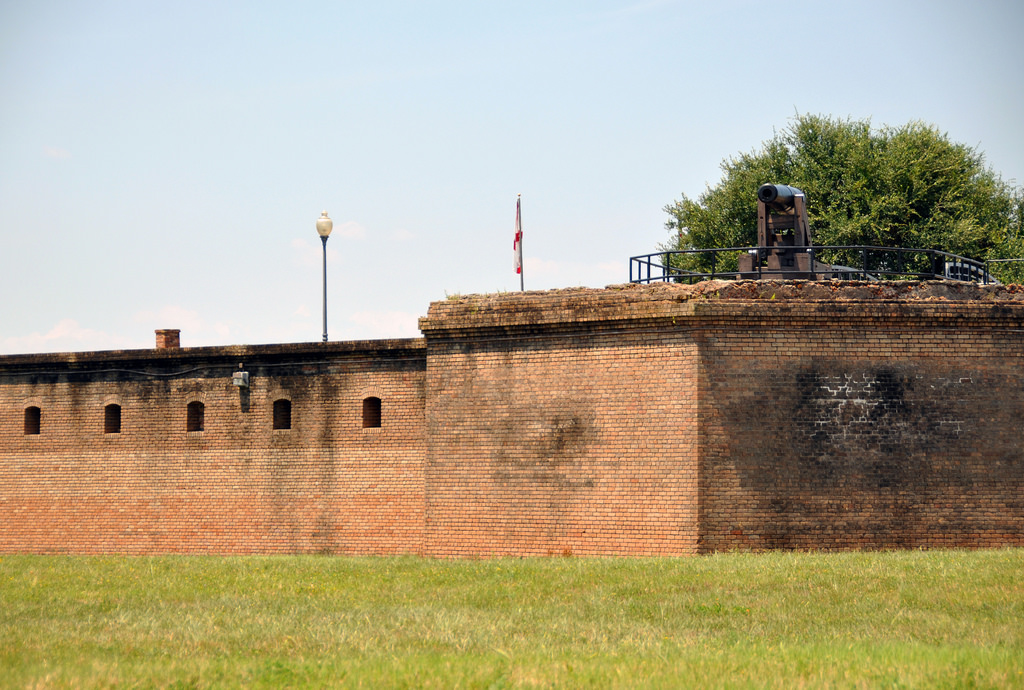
pixel 522 268
pixel 517 245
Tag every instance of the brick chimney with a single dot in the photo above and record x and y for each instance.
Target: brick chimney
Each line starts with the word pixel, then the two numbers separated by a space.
pixel 168 338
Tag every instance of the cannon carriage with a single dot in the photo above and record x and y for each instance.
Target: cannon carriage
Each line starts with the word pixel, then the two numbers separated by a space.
pixel 783 237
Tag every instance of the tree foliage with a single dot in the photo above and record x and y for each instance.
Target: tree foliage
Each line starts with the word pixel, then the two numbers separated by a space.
pixel 906 186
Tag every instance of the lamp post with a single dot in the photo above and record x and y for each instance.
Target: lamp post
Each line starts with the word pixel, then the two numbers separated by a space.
pixel 324 225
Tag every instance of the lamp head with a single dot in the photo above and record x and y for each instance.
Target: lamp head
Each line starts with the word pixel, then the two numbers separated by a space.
pixel 324 225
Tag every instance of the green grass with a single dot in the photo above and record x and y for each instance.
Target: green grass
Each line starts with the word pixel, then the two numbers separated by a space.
pixel 898 619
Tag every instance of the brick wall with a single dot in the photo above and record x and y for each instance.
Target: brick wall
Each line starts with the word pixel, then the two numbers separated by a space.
pixel 662 419
pixel 856 425
pixel 544 440
pixel 327 485
pixel 811 416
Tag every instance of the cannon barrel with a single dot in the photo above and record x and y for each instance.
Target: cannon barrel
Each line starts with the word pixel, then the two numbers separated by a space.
pixel 778 196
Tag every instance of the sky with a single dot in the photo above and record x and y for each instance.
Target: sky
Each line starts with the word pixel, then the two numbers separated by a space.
pixel 162 165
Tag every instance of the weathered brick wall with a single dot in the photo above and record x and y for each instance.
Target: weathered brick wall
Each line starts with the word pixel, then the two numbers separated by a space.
pixel 665 419
pixel 327 485
pixel 561 447
pixel 558 438
pixel 828 416
pixel 864 419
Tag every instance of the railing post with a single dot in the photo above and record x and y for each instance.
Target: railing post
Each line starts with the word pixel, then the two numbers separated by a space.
pixel 864 261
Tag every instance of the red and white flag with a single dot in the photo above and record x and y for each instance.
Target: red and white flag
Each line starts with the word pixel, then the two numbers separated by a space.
pixel 517 245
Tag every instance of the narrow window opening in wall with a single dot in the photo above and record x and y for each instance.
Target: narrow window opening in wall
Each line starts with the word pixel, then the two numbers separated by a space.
pixel 282 414
pixel 196 416
pixel 33 417
pixel 112 419
pixel 371 413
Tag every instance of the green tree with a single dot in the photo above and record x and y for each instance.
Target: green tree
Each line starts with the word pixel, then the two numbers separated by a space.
pixel 906 186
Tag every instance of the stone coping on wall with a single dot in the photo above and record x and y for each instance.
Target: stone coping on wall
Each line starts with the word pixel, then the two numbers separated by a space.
pixel 655 303
pixel 176 357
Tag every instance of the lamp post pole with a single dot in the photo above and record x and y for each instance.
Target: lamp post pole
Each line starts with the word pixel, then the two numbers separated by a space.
pixel 323 228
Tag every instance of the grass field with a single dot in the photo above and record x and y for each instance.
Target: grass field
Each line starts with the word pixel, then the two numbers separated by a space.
pixel 787 620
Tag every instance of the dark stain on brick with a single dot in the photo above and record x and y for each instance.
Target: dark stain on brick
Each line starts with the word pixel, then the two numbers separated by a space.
pixel 852 454
pixel 545 446
pixel 324 536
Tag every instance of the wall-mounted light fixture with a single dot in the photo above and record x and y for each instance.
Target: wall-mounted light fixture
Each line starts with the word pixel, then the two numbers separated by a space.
pixel 240 378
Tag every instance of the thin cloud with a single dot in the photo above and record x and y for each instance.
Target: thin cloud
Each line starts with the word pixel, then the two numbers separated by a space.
pixel 195 330
pixel 350 229
pixel 171 316
pixel 66 336
pixel 552 273
pixel 308 255
pixel 386 324
pixel 56 152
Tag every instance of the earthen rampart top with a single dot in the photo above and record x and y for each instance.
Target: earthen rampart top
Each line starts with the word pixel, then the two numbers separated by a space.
pixel 643 303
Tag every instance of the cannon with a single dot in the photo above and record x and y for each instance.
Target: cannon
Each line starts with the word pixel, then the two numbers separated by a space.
pixel 783 234
pixel 782 217
pixel 780 197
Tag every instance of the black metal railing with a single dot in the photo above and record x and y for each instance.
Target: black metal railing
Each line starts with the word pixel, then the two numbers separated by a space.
pixel 842 262
pixel 1006 270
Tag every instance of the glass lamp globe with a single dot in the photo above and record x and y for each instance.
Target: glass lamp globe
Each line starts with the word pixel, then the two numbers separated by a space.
pixel 324 225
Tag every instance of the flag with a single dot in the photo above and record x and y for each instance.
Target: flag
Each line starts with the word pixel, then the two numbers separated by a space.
pixel 517 245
